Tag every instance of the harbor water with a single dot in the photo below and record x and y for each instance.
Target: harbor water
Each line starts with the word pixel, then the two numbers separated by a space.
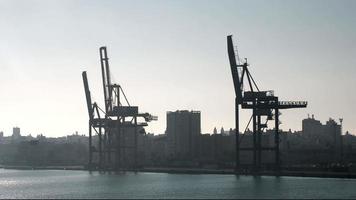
pixel 84 184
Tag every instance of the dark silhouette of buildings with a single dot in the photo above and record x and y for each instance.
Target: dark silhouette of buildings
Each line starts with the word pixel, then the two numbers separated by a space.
pixel 326 136
pixel 217 150
pixel 317 145
pixel 43 151
pixel 183 131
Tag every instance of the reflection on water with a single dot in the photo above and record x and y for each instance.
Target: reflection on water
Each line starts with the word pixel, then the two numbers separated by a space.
pixel 83 184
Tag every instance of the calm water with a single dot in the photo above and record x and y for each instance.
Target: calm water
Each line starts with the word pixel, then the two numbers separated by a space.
pixel 82 184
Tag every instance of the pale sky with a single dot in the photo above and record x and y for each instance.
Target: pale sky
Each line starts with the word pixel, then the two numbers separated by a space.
pixel 171 55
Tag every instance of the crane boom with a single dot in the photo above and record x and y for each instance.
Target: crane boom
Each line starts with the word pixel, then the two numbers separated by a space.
pixel 87 95
pixel 234 71
pixel 105 70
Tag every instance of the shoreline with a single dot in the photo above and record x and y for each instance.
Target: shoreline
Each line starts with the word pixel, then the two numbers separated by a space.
pixel 20 167
pixel 311 174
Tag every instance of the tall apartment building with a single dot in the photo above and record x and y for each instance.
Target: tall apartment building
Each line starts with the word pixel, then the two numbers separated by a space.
pixel 16 133
pixel 183 131
pixel 1 137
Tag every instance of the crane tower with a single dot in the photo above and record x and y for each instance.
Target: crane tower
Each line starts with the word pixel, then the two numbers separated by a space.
pixel 264 105
pixel 116 125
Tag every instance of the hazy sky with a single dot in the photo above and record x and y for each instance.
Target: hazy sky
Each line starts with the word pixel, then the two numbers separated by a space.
pixel 170 55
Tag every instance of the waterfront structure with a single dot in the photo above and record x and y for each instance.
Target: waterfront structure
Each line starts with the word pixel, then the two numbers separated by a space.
pixel 183 131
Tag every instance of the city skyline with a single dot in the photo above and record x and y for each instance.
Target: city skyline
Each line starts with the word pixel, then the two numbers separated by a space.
pixel 302 51
pixel 215 130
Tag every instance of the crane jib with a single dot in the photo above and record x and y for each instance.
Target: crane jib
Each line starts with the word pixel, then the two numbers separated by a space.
pixel 234 71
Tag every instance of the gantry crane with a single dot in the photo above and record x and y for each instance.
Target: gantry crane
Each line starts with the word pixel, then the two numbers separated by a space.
pixel 262 104
pixel 115 124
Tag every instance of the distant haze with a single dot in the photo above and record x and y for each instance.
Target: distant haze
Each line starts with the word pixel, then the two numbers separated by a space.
pixel 170 55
